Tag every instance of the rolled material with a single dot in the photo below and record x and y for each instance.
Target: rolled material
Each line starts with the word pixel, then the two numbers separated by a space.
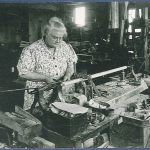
pixel 96 141
pixel 108 72
pixel 82 99
pixel 88 143
pixel 94 76
pixel 101 139
pixel 105 137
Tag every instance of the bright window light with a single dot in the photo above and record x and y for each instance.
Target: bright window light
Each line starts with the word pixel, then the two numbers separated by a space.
pixel 140 13
pixel 130 36
pixel 131 15
pixel 80 16
pixel 130 28
pixel 138 30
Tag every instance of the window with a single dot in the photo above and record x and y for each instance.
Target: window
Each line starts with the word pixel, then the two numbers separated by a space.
pixel 137 30
pixel 131 15
pixel 130 28
pixel 80 16
pixel 140 13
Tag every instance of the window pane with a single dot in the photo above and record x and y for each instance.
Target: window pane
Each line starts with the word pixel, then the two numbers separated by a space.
pixel 131 15
pixel 130 28
pixel 80 16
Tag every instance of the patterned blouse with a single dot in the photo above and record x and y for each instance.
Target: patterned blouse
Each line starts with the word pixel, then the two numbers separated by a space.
pixel 39 58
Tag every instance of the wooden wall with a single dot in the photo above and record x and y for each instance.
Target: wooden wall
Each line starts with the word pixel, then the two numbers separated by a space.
pixel 38 17
pixel 10 23
pixel 37 20
pixel 23 21
pixel 96 20
pixel 18 23
pixel 28 20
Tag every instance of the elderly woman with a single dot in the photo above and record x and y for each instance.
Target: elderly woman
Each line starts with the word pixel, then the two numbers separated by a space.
pixel 46 60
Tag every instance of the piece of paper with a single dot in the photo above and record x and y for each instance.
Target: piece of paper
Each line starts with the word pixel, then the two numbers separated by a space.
pixel 71 108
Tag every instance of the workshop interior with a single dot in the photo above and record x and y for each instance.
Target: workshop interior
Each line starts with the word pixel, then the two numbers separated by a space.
pixel 106 103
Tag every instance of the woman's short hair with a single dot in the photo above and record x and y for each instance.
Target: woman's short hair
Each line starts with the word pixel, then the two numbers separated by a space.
pixel 55 23
pixel 55 19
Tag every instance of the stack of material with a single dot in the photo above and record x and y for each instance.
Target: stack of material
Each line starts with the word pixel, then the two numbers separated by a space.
pixel 21 122
pixel 24 44
pixel 27 127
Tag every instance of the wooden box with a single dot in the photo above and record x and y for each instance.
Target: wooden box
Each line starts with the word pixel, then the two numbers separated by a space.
pixel 64 125
pixel 131 132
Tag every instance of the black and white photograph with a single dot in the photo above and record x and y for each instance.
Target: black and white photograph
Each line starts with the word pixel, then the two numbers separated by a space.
pixel 74 74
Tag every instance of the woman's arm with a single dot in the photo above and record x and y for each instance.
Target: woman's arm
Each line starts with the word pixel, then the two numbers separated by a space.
pixel 72 60
pixel 37 77
pixel 69 72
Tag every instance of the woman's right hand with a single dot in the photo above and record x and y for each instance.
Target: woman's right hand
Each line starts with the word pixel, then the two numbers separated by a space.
pixel 49 80
pixel 50 84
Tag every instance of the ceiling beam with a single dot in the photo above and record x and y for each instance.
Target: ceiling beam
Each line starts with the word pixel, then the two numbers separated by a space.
pixel 43 6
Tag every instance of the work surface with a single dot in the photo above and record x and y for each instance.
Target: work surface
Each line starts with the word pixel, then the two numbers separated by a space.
pixel 117 93
pixel 95 128
pixel 76 141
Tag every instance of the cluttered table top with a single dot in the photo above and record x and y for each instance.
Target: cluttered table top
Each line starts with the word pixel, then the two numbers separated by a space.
pixel 111 92
pixel 90 131
pixel 95 128
pixel 116 91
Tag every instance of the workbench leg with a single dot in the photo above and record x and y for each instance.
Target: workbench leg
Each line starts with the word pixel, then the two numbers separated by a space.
pixel 110 129
pixel 146 134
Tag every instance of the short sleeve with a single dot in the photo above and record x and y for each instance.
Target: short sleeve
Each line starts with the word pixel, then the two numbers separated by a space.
pixel 26 61
pixel 72 57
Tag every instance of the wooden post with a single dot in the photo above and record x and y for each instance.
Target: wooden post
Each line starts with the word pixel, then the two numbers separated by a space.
pixel 123 23
pixel 114 15
pixel 146 13
pixel 146 54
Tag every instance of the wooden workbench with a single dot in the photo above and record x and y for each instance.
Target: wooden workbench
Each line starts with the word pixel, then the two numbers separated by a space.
pixel 77 140
pixel 131 132
pixel 117 94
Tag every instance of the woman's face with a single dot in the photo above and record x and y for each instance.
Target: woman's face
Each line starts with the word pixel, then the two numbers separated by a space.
pixel 54 38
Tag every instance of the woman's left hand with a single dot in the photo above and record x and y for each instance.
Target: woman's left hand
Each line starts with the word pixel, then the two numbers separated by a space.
pixel 67 77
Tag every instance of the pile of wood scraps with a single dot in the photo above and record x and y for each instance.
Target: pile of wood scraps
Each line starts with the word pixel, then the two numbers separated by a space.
pixel 27 128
